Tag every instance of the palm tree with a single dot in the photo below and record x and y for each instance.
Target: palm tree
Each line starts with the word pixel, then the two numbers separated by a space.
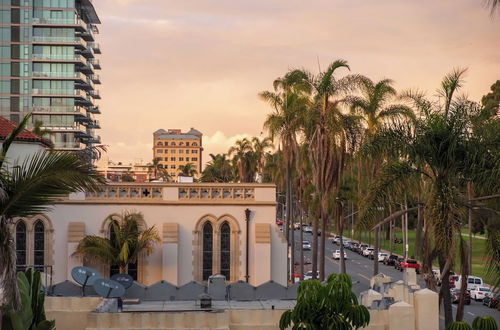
pixel 290 102
pixel 493 5
pixel 441 152
pixel 30 188
pixel 187 170
pixel 239 152
pixel 218 169
pixel 329 133
pixel 155 166
pixel 329 306
pixel 127 242
pixel 260 149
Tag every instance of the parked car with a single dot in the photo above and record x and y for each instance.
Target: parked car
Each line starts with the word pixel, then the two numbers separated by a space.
pixel 478 293
pixel 353 246
pixel 362 247
pixel 453 280
pixel 296 225
pixel 409 263
pixel 309 275
pixel 492 300
pixel 336 255
pixel 346 243
pixel 308 229
pixel 389 261
pixel 366 251
pixel 397 261
pixel 306 246
pixel 336 239
pixel 382 256
pixel 279 222
pixel 472 282
pixel 455 296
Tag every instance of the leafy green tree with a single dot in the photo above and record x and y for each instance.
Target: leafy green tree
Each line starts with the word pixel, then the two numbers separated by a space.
pixel 30 188
pixel 243 159
pixel 128 177
pixel 261 148
pixel 329 306
pixel 130 239
pixel 218 169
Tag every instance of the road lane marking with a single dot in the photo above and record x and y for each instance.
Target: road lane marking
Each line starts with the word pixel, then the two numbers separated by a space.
pixel 471 313
pixel 364 276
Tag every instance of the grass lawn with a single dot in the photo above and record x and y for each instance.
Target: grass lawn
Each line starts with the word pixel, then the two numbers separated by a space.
pixel 478 251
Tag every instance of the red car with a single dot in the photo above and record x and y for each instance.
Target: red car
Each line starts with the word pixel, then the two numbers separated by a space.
pixel 279 222
pixel 409 263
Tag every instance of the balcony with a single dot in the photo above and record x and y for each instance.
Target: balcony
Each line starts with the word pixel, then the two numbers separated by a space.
pixel 94 124
pixel 94 140
pixel 95 63
pixel 56 110
pixel 59 75
pixel 74 41
pixel 76 23
pixel 95 79
pixel 84 102
pixel 85 67
pixel 85 84
pixel 96 48
pixel 87 52
pixel 87 34
pixel 59 58
pixel 95 110
pixel 77 129
pixel 95 94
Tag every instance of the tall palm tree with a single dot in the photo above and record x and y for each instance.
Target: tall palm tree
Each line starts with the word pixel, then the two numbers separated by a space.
pixel 439 151
pixel 30 188
pixel 155 165
pixel 329 132
pixel 290 102
pixel 128 242
pixel 261 147
pixel 188 170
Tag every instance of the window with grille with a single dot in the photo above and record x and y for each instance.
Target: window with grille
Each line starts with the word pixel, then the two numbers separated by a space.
pixel 207 250
pixel 225 250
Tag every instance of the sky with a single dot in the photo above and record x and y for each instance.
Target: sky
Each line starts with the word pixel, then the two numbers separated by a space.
pixel 182 64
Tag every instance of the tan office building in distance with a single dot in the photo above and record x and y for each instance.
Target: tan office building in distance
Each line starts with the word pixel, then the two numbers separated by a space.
pixel 175 148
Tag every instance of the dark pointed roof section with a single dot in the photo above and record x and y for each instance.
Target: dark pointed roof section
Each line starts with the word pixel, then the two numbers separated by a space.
pixel 6 126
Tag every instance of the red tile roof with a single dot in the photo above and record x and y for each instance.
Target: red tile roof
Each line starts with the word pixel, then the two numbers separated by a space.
pixel 6 126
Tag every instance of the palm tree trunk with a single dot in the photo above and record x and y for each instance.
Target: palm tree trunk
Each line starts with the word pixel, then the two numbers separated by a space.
pixel 341 233
pixel 375 252
pixel 418 233
pixel 315 245
pixel 8 281
pixel 444 293
pixel 322 248
pixel 289 211
pixel 292 243
pixel 300 245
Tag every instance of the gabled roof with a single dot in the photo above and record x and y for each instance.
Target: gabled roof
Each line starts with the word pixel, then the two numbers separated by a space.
pixel 160 131
pixel 6 126
pixel 194 132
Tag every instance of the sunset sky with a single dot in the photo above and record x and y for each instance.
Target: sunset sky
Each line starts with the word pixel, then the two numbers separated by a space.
pixel 185 63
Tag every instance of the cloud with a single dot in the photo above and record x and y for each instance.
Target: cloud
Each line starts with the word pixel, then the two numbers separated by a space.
pixel 219 143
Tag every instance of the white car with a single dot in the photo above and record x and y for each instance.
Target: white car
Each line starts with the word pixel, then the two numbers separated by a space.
pixel 309 275
pixel 478 293
pixel 382 256
pixel 336 239
pixel 367 252
pixel 308 229
pixel 336 255
pixel 306 245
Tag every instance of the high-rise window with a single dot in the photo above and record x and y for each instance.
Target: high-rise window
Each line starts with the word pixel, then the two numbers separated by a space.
pixel 207 251
pixel 225 250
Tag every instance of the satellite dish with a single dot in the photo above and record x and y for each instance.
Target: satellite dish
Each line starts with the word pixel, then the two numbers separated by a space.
pixel 108 288
pixel 84 276
pixel 124 279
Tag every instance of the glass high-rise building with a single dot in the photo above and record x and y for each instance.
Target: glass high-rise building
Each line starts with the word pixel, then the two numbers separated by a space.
pixel 49 67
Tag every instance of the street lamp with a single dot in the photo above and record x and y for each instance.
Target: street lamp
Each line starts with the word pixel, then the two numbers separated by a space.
pixel 247 220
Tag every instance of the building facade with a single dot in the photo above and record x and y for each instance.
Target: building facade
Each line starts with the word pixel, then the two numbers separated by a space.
pixel 118 172
pixel 203 229
pixel 49 65
pixel 173 148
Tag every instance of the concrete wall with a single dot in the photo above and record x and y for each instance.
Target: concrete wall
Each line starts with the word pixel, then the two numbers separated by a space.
pixel 19 151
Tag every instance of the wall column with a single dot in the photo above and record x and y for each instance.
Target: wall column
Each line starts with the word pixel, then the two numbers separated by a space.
pixel 76 232
pixel 260 268
pixel 170 252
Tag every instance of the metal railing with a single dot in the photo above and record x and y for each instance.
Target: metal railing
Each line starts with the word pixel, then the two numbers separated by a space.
pixel 61 57
pixel 56 39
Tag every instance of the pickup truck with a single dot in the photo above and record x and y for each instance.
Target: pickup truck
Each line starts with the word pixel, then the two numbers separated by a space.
pixel 409 263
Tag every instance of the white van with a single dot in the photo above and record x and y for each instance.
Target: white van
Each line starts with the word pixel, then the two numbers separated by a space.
pixel 472 282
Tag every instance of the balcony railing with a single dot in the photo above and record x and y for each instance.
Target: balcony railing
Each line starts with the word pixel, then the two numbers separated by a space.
pixel 95 47
pixel 60 21
pixel 56 74
pixel 60 57
pixel 56 39
pixel 51 91
pixel 59 109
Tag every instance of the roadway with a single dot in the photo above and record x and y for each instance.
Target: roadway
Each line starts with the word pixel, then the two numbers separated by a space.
pixel 361 270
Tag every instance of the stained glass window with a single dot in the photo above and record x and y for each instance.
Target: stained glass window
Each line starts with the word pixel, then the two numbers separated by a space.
pixel 20 244
pixel 225 250
pixel 207 250
pixel 39 240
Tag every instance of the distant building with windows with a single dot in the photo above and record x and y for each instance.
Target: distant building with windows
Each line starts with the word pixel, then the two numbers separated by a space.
pixel 116 171
pixel 174 148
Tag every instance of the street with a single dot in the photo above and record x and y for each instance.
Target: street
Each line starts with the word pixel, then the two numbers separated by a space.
pixel 361 270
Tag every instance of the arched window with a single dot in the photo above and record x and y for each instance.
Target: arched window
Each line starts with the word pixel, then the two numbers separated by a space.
pixel 194 144
pixel 225 250
pixel 159 144
pixel 172 144
pixel 207 251
pixel 20 244
pixel 39 245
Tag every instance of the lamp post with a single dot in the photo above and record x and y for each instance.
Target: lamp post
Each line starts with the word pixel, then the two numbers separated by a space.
pixel 247 220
